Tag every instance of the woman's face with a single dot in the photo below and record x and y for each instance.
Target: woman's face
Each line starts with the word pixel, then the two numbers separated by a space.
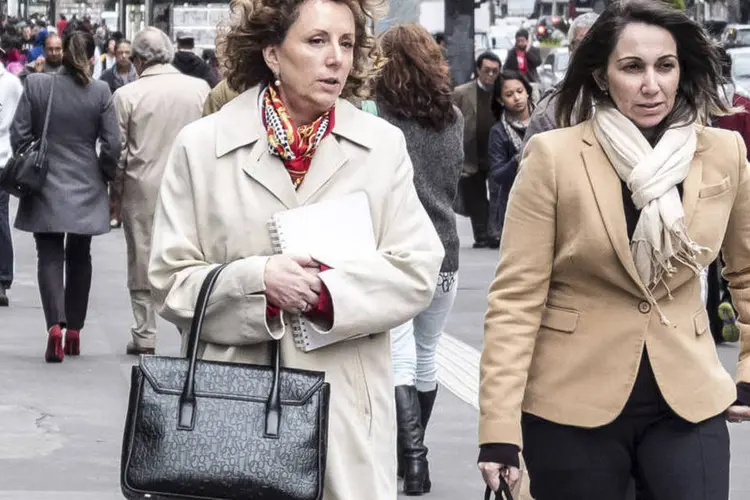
pixel 643 74
pixel 111 46
pixel 314 60
pixel 514 96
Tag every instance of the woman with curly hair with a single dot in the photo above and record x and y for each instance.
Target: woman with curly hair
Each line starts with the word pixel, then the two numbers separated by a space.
pixel 291 139
pixel 413 92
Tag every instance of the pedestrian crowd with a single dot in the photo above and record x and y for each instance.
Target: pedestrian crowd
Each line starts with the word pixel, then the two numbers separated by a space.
pixel 619 201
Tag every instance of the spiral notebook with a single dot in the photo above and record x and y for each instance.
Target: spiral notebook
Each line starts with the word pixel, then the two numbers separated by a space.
pixel 339 229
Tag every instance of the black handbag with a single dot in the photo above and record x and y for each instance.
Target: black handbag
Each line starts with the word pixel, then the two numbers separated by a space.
pixel 26 170
pixel 503 491
pixel 224 431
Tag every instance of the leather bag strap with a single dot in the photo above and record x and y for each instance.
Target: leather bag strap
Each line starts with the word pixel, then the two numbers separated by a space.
pixel 49 109
pixel 187 409
pixel 504 491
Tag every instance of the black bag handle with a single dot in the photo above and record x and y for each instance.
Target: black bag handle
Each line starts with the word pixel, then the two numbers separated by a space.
pixel 186 415
pixel 503 491
pixel 49 110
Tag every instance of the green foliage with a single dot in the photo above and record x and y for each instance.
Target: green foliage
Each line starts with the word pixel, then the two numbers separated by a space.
pixel 677 4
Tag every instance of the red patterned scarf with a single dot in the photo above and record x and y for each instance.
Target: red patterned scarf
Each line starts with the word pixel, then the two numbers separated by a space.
pixel 294 145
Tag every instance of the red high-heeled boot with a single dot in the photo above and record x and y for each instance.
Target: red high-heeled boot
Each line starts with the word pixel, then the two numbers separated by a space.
pixel 72 342
pixel 54 353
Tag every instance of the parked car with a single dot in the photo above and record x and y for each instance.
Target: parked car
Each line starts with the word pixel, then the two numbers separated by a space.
pixel 736 35
pixel 553 68
pixel 741 68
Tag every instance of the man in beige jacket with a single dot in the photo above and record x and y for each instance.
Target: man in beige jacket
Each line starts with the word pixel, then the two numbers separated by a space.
pixel 151 111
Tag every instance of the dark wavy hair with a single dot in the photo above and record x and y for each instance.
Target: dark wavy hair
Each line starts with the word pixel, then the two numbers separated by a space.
pixel 78 49
pixel 697 93
pixel 497 91
pixel 414 81
pixel 257 24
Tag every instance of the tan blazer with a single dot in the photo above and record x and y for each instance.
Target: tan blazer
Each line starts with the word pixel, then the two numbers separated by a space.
pixel 150 114
pixel 220 188
pixel 568 320
pixel 465 98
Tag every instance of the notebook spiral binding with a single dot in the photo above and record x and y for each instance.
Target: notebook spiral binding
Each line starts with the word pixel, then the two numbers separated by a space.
pixel 294 321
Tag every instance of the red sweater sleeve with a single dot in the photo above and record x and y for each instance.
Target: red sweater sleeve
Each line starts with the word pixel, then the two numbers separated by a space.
pixel 324 308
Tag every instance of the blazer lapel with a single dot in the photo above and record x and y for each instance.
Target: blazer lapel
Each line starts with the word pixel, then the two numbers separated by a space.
pixel 607 189
pixel 692 184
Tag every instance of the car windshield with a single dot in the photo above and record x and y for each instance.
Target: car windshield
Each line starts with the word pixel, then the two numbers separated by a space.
pixel 741 65
pixel 561 61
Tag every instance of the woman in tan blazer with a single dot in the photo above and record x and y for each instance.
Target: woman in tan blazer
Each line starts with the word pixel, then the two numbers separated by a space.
pixel 231 171
pixel 596 348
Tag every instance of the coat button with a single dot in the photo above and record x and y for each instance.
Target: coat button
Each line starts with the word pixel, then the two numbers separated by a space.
pixel 644 307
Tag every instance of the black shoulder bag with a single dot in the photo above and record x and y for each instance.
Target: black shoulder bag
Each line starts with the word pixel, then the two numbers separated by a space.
pixel 26 171
pixel 205 430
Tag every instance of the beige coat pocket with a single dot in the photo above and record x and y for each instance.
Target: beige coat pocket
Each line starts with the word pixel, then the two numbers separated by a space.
pixel 700 321
pixel 715 189
pixel 562 320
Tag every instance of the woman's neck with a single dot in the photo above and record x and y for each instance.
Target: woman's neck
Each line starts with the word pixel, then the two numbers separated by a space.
pixel 522 117
pixel 298 116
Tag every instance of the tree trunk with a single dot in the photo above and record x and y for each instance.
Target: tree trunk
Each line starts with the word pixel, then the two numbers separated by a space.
pixel 459 39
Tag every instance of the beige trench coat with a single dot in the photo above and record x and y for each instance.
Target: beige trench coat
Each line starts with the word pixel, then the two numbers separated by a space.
pixel 220 188
pixel 150 111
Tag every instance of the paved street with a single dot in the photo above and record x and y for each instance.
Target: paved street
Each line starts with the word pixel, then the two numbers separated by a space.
pixel 61 425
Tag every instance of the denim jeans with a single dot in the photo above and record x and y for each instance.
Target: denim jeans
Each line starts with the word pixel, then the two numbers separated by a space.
pixel 6 242
pixel 414 343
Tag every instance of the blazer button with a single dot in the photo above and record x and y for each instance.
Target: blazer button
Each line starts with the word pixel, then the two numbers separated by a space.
pixel 644 307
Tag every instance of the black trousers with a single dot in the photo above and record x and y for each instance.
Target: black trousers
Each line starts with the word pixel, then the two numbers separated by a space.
pixel 6 242
pixel 474 192
pixel 669 458
pixel 64 275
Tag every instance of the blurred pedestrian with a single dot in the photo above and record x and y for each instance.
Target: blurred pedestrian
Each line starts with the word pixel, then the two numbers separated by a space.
pixel 10 95
pixel 73 204
pixel 150 111
pixel 474 99
pixel 433 128
pixel 512 107
pixel 543 117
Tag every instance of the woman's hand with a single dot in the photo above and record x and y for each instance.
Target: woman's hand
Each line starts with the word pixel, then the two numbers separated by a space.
pixel 290 284
pixel 491 474
pixel 738 414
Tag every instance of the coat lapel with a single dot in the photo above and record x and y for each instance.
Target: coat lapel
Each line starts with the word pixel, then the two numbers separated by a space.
pixel 607 189
pixel 238 124
pixel 331 155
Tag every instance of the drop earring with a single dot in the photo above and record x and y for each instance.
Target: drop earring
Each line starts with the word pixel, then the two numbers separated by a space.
pixel 277 80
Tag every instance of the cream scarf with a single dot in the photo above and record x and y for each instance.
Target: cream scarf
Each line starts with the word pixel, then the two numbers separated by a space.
pixel 652 175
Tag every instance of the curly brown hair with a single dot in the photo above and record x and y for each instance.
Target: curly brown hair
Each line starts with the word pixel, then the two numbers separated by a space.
pixel 257 24
pixel 414 82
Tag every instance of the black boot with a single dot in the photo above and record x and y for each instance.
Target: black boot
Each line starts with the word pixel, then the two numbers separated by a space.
pixel 411 437
pixel 426 403
pixel 3 296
